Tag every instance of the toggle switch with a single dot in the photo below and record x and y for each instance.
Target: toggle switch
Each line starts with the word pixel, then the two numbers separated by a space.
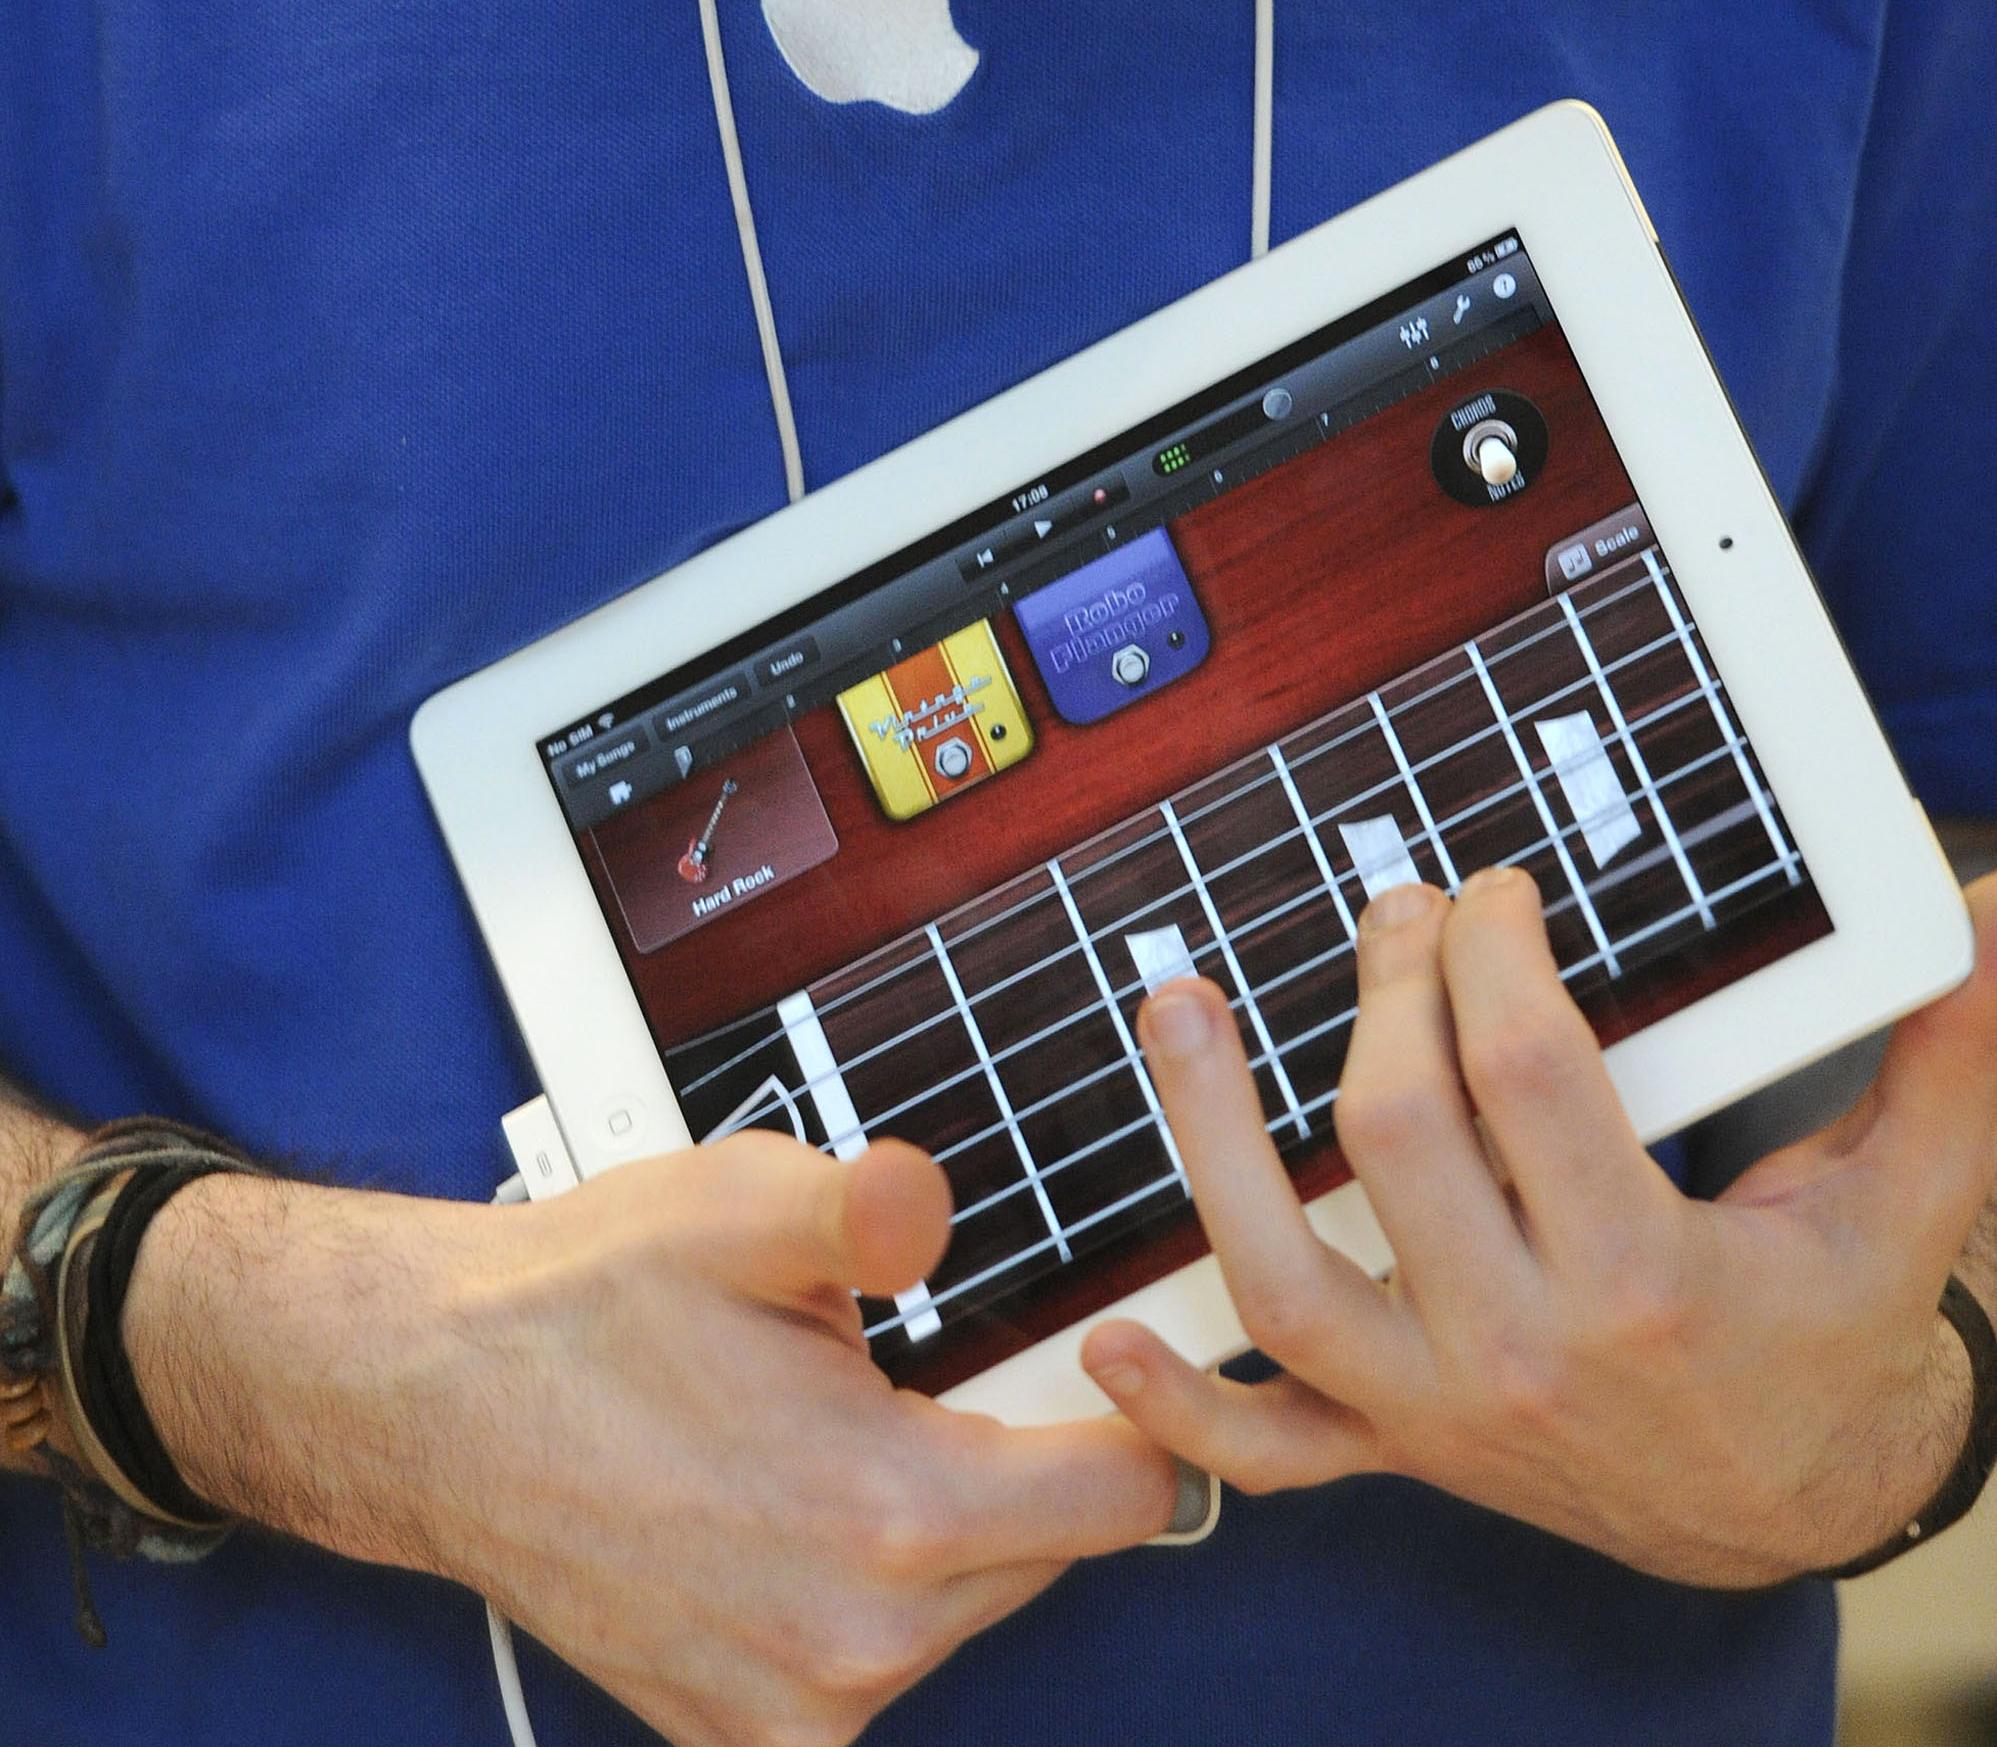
pixel 1487 448
pixel 1491 448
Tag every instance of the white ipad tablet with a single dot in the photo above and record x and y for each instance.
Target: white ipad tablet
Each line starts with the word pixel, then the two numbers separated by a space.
pixel 1427 542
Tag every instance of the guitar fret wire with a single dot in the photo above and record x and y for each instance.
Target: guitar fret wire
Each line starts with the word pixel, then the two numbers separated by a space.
pixel 1713 827
pixel 1053 1027
pixel 1116 1019
pixel 999 1097
pixel 1123 922
pixel 1621 593
pixel 1219 931
pixel 1311 837
pixel 1638 765
pixel 1720 715
pixel 834 1105
pixel 1352 802
pixel 1449 880
pixel 1050 959
pixel 1539 800
pixel 959 1288
pixel 1733 888
pixel 1132 1057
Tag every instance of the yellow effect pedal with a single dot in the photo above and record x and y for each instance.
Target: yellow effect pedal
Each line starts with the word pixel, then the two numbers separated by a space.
pixel 937 723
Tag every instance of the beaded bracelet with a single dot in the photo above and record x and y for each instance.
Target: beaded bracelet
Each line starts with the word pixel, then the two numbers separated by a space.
pixel 62 1350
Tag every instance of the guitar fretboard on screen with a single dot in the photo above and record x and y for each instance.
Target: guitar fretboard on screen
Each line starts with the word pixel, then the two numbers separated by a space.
pixel 1586 740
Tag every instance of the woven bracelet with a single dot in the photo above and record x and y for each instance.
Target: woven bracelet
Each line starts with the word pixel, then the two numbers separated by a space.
pixel 62 1350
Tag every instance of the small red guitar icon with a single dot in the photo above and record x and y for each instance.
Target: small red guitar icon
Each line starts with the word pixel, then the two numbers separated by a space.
pixel 693 864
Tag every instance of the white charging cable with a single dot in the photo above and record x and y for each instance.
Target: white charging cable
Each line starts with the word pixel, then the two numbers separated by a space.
pixel 505 1665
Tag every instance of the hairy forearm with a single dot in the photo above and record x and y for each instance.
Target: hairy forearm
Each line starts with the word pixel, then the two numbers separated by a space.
pixel 1976 1268
pixel 289 1342
pixel 32 1147
pixel 297 1347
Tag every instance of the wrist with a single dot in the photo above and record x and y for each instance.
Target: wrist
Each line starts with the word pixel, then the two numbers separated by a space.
pixel 294 1348
pixel 1900 1464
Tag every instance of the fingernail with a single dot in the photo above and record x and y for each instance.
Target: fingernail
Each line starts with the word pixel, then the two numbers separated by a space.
pixel 1193 1498
pixel 1178 1024
pixel 1118 1379
pixel 1394 907
pixel 1489 879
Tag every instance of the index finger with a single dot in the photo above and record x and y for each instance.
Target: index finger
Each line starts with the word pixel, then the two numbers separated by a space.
pixel 1302 1301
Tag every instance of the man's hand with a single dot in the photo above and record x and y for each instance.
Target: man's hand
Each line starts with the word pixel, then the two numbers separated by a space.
pixel 640 1418
pixel 1725 1393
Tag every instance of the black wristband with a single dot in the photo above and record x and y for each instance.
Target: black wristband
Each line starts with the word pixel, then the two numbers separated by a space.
pixel 62 1352
pixel 1964 1482
pixel 104 1382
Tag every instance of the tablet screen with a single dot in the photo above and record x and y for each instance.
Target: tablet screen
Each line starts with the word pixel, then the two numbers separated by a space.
pixel 1383 607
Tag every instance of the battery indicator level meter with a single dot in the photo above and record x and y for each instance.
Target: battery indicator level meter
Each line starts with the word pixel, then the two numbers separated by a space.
pixel 1172 459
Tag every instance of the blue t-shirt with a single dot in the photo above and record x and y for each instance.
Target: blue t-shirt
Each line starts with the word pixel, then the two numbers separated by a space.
pixel 344 348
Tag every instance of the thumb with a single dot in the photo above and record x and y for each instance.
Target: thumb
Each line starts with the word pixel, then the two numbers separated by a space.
pixel 1925 1131
pixel 1942 1061
pixel 1935 1097
pixel 781 1221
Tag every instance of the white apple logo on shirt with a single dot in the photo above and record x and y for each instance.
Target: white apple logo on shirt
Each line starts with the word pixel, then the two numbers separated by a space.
pixel 904 53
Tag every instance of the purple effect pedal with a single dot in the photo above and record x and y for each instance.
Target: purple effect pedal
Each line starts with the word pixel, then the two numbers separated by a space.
pixel 1115 630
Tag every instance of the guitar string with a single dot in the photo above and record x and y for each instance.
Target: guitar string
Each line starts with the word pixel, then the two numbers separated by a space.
pixel 1677 617
pixel 1616 877
pixel 917 958
pixel 1639 584
pixel 1105 932
pixel 1171 1179
pixel 1102 935
pixel 1737 814
pixel 1620 875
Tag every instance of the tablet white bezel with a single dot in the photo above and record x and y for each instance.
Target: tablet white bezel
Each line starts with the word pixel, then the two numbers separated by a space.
pixel 1901 934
